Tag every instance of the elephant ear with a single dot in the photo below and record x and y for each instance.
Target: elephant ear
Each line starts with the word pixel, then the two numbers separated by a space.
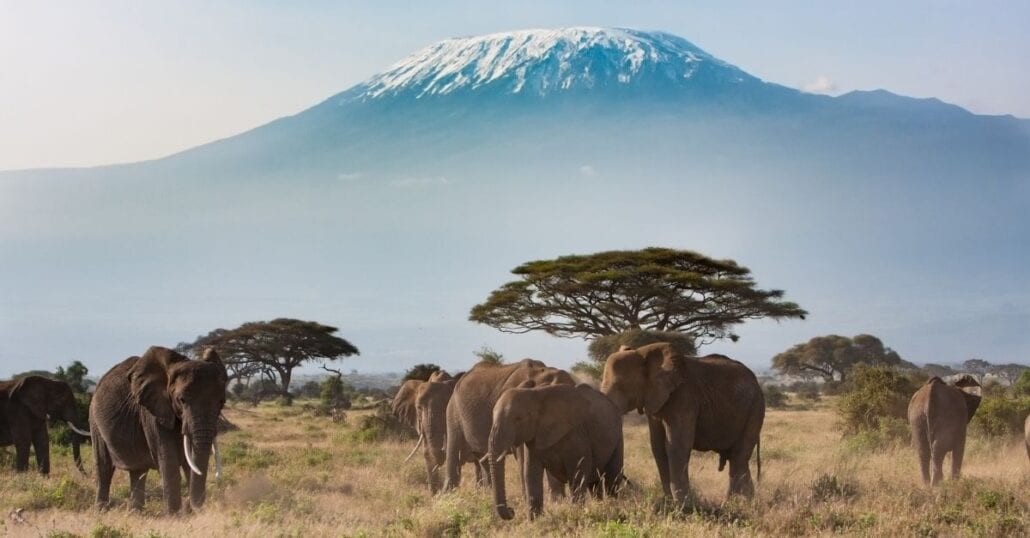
pixel 663 376
pixel 211 357
pixel 971 393
pixel 558 417
pixel 31 392
pixel 149 383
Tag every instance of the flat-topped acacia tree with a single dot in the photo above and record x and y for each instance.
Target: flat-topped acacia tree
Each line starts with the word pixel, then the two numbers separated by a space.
pixel 273 347
pixel 654 289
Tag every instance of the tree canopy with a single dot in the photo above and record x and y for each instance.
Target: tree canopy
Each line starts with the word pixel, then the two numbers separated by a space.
pixel 606 293
pixel 273 348
pixel 832 357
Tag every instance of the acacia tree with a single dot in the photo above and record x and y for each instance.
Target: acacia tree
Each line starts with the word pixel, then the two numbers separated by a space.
pixel 275 347
pixel 655 289
pixel 832 357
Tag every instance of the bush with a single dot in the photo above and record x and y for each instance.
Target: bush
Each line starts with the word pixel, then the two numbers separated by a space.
pixel 334 394
pixel 601 347
pixel 420 372
pixel 873 394
pixel 489 355
pixel 1022 385
pixel 774 396
pixel 592 369
pixel 381 425
pixel 828 487
pixel 1000 416
pixel 308 391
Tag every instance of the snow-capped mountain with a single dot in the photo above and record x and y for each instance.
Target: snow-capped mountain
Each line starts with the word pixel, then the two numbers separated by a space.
pixel 391 208
pixel 541 62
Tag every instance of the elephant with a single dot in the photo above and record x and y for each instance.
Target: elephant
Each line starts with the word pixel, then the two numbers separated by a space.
pixel 25 406
pixel 937 415
pixel 572 432
pixel 159 411
pixel 470 412
pixel 431 398
pixel 710 403
pixel 403 404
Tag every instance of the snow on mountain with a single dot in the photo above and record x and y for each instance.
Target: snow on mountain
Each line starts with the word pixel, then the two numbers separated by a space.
pixel 541 62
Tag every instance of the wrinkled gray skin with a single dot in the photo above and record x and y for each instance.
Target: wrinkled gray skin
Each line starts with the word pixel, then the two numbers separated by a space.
pixel 937 416
pixel 423 406
pixel 25 405
pixel 710 403
pixel 140 412
pixel 470 411
pixel 573 433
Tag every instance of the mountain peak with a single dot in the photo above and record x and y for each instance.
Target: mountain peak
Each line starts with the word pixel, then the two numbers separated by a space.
pixel 546 61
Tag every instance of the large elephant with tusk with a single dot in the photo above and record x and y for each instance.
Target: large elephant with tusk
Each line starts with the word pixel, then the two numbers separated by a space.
pixel 429 402
pixel 25 406
pixel 159 411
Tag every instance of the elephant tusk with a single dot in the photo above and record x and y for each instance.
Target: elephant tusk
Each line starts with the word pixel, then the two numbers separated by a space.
pixel 218 459
pixel 418 444
pixel 78 431
pixel 189 455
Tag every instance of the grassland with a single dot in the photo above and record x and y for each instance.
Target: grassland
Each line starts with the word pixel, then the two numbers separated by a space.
pixel 291 473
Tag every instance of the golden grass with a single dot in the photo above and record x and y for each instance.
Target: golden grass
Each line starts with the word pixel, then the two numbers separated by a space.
pixel 290 473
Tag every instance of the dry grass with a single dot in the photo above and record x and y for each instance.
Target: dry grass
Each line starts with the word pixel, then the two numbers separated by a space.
pixel 289 473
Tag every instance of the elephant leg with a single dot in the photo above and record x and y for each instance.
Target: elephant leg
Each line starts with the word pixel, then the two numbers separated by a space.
pixel 679 442
pixel 937 453
pixel 957 454
pixel 661 457
pixel 41 445
pixel 922 445
pixel 137 489
pixel 454 455
pixel 21 452
pixel 740 473
pixel 432 470
pixel 169 462
pixel 105 471
pixel 533 478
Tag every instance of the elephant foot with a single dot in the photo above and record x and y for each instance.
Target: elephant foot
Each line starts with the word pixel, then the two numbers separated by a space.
pixel 505 512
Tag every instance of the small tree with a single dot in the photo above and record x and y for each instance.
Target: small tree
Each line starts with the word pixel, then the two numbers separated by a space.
pixel 420 372
pixel 832 357
pixel 876 399
pixel 75 376
pixel 658 289
pixel 276 347
pixel 334 393
pixel 489 355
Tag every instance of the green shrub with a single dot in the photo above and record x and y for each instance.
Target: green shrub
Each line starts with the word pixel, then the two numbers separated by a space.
pixel 829 487
pixel 774 396
pixel 874 393
pixel 334 394
pixel 381 425
pixel 1000 416
pixel 1022 385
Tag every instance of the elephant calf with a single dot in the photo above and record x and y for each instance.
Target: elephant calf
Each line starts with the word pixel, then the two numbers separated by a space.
pixel 573 433
pixel 937 415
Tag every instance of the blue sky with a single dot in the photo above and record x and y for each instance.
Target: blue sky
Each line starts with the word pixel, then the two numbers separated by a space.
pixel 100 82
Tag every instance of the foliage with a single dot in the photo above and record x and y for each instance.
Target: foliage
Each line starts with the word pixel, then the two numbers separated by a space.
pixel 833 357
pixel 874 393
pixel 829 487
pixel 420 372
pixel 273 347
pixel 75 376
pixel 611 292
pixel 335 394
pixel 999 416
pixel 310 389
pixel 591 369
pixel 1022 385
pixel 380 426
pixel 488 355
pixel 601 347
pixel 774 396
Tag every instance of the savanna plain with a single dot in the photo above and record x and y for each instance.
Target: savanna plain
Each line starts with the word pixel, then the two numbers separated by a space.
pixel 288 471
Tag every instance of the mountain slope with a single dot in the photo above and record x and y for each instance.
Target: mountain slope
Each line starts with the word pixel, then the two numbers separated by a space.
pixel 392 207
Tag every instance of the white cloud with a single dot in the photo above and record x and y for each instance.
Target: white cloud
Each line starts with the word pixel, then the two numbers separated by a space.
pixel 587 171
pixel 821 84
pixel 420 181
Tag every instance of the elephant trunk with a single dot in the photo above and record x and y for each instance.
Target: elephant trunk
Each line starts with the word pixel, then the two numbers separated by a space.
pixel 198 454
pixel 497 448
pixel 76 453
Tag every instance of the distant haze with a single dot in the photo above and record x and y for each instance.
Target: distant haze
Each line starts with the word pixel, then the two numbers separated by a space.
pixel 393 206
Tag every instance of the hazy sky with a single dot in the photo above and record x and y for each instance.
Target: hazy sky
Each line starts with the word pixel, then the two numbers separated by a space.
pixel 88 83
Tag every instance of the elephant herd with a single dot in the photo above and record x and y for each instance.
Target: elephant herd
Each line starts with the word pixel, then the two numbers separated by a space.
pixel 572 434
pixel 160 411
